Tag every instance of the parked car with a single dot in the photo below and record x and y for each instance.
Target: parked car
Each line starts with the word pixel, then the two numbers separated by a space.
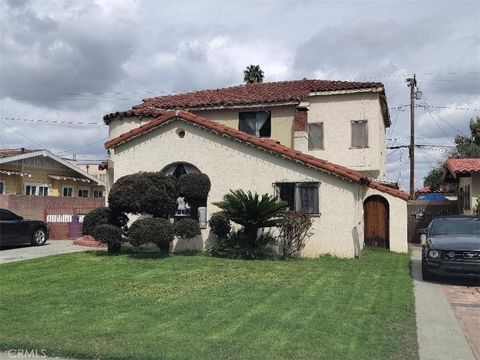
pixel 451 246
pixel 15 230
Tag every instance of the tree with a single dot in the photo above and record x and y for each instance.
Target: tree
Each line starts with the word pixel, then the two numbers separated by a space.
pixel 253 74
pixel 465 147
pixel 144 193
pixel 469 146
pixel 251 210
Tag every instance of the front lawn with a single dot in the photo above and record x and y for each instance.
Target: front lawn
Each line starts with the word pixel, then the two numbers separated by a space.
pixel 140 306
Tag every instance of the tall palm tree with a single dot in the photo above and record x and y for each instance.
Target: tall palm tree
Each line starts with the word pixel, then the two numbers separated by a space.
pixel 253 74
pixel 251 210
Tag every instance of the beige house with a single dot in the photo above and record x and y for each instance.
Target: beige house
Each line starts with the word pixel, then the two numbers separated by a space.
pixel 278 152
pixel 342 122
pixel 465 172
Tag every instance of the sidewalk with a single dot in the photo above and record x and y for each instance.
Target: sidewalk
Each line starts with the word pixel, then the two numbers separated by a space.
pixel 52 247
pixel 439 335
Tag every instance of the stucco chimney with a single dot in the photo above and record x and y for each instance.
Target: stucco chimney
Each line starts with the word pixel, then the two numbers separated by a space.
pixel 300 127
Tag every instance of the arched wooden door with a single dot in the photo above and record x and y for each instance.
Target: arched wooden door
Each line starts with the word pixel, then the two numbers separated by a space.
pixel 376 219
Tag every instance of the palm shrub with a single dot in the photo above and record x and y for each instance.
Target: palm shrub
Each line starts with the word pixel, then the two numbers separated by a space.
pixel 253 212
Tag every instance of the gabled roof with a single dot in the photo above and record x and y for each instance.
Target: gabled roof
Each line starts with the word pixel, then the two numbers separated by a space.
pixel 267 94
pixel 4 153
pixel 463 166
pixel 262 143
pixel 10 155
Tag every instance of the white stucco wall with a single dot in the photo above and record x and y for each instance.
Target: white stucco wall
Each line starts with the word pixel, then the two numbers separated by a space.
pixel 234 165
pixel 336 112
pixel 474 182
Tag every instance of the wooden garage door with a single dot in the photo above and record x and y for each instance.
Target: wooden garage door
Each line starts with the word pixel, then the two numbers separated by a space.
pixel 376 217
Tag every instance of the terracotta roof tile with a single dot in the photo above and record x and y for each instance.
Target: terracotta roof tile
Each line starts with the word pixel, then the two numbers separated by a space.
pixel 269 93
pixel 266 144
pixel 463 166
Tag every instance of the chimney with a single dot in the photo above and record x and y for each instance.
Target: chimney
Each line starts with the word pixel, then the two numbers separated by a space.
pixel 300 126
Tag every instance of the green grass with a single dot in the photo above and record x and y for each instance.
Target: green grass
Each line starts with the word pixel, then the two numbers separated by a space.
pixel 141 306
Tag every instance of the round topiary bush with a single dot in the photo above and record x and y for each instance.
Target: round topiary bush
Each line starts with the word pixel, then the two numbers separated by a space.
pixel 187 228
pixel 110 235
pixel 194 185
pixel 151 230
pixel 220 225
pixel 144 192
pixel 101 216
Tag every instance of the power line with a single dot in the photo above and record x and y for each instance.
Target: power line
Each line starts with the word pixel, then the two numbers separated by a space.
pixel 25 136
pixel 55 122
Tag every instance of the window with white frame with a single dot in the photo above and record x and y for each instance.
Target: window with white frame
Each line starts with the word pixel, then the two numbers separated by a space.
pixel 315 136
pixel 2 187
pixel 359 134
pixel 83 192
pixel 97 193
pixel 35 189
pixel 300 196
pixel 67 191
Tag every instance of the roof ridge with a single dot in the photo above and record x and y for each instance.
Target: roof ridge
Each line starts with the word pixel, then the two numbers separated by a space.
pixel 278 148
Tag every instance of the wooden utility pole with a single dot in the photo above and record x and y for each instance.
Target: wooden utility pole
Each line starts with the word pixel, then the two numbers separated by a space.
pixel 412 83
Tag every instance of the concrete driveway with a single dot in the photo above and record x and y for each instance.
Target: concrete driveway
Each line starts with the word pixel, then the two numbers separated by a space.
pixel 52 247
pixel 446 329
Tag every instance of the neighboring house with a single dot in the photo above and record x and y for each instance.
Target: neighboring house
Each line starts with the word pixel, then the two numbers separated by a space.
pixel 41 173
pixel 349 208
pixel 342 122
pixel 39 185
pixel 465 172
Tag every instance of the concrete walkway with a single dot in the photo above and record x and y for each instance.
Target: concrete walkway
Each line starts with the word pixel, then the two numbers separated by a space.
pixel 52 247
pixel 439 334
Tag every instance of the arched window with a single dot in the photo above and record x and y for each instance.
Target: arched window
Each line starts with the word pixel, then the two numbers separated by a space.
pixel 180 168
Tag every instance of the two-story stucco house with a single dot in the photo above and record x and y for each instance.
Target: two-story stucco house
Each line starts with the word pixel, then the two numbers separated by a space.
pixel 319 145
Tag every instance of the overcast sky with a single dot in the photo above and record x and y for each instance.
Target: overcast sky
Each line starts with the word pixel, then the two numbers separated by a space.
pixel 75 61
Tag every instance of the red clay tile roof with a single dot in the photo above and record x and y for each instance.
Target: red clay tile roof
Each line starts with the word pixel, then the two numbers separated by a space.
pixel 144 111
pixel 269 93
pixel 5 153
pixel 266 144
pixel 463 166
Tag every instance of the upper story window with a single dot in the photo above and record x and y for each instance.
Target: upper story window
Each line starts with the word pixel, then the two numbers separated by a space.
pixel 36 189
pixel 359 134
pixel 83 192
pixel 256 123
pixel 97 193
pixel 302 196
pixel 315 136
pixel 67 191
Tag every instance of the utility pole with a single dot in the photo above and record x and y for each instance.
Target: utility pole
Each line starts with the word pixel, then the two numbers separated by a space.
pixel 412 84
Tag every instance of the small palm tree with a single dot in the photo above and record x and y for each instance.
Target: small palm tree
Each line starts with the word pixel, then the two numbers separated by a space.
pixel 251 210
pixel 253 74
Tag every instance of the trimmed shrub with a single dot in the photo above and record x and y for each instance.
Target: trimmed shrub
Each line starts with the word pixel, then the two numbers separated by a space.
pixel 101 216
pixel 295 229
pixel 187 228
pixel 151 230
pixel 110 235
pixel 220 225
pixel 194 185
pixel 238 245
pixel 144 192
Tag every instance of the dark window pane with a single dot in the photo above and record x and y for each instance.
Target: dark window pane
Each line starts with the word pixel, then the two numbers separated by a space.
pixel 257 123
pixel 287 194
